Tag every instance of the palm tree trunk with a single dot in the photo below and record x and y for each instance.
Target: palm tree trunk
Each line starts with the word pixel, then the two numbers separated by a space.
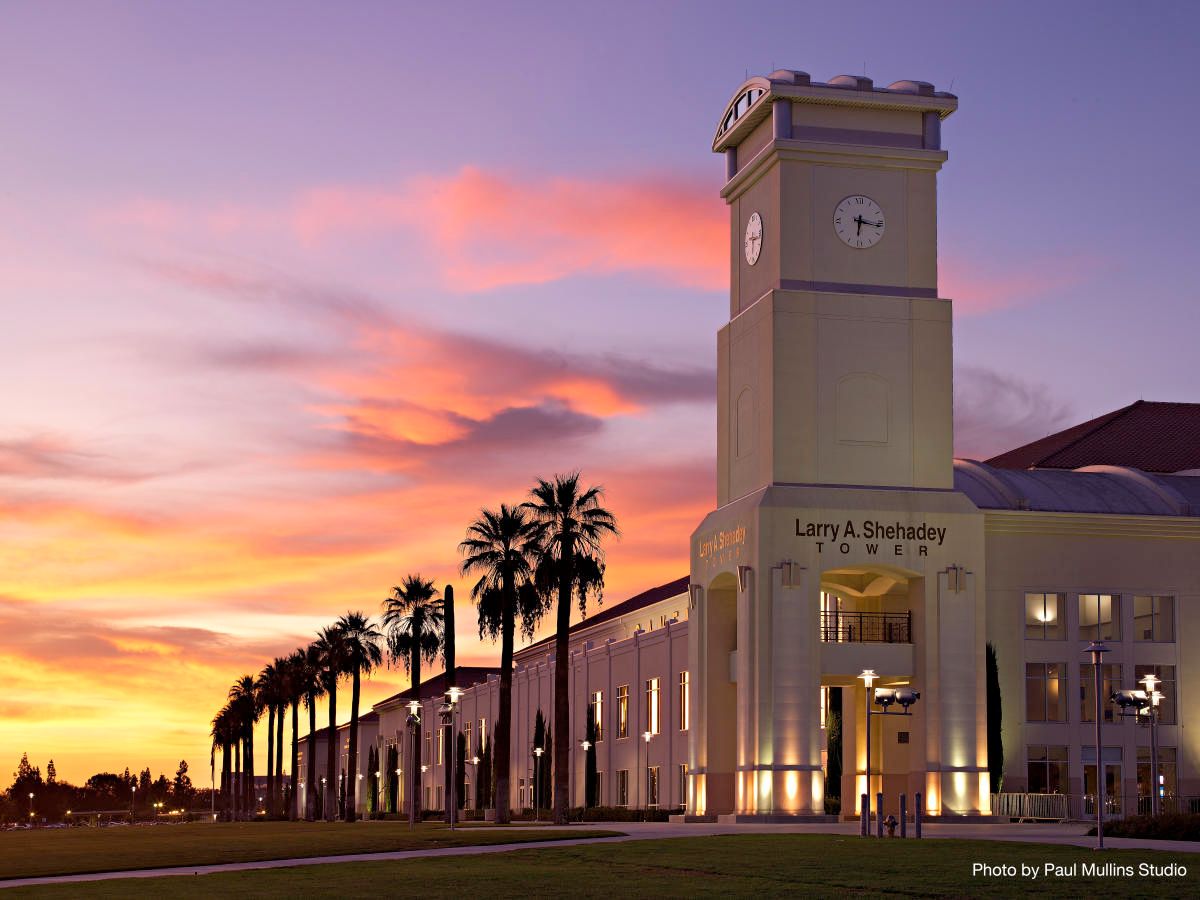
pixel 226 779
pixel 414 666
pixel 331 752
pixel 562 702
pixel 310 795
pixel 277 805
pixel 270 759
pixel 503 750
pixel 249 771
pixel 352 768
pixel 294 804
pixel 239 752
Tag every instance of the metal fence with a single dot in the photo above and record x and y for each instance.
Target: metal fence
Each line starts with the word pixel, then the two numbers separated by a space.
pixel 1078 807
pixel 838 627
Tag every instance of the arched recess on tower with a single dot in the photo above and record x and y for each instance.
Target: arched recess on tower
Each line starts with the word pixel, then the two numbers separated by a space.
pixel 721 628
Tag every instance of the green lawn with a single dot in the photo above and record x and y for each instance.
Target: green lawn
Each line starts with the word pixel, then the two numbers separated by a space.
pixel 75 850
pixel 750 865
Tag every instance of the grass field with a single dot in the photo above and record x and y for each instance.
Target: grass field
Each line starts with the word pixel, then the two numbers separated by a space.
pixel 750 865
pixel 25 854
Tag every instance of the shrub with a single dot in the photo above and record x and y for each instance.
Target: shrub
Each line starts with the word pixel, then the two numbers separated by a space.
pixel 1170 827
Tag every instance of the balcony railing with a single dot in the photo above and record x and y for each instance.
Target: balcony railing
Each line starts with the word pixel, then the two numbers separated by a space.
pixel 866 627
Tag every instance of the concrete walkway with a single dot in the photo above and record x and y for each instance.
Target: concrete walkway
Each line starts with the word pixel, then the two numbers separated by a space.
pixel 644 831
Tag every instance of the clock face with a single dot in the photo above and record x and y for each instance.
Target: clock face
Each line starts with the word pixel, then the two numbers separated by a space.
pixel 858 221
pixel 753 242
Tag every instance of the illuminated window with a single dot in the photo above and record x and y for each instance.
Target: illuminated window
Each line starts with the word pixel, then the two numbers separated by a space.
pixel 1110 676
pixel 623 711
pixel 1166 773
pixel 467 738
pixel 598 714
pixel 428 746
pixel 441 745
pixel 1099 617
pixel 1154 618
pixel 622 787
pixel 652 705
pixel 682 784
pixel 1044 617
pixel 652 786
pixel 1165 686
pixel 1045 692
pixel 685 702
pixel 483 735
pixel 1047 769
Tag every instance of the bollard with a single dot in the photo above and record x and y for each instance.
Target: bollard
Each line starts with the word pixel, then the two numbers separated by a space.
pixel 879 814
pixel 904 815
pixel 862 814
pixel 917 808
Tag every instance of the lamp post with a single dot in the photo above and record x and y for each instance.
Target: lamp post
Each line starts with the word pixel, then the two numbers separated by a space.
pixel 647 737
pixel 31 806
pixel 868 677
pixel 132 798
pixel 537 758
pixel 883 697
pixel 1153 696
pixel 414 722
pixel 447 711
pixel 585 745
pixel 1097 650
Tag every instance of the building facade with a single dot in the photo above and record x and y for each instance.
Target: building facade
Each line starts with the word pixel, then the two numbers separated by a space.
pixel 847 538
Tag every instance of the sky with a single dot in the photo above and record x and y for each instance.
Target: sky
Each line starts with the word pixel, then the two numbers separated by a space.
pixel 288 291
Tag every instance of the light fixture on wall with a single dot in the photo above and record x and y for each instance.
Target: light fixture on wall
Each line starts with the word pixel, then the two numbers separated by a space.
pixel 790 573
pixel 695 594
pixel 744 576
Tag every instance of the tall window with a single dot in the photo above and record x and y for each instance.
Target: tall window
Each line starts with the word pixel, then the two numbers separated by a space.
pixel 467 738
pixel 1045 692
pixel 1154 618
pixel 441 745
pixel 1099 617
pixel 598 714
pixel 599 788
pixel 685 702
pixel 622 787
pixel 652 786
pixel 1044 617
pixel 652 705
pixel 466 797
pixel 1047 769
pixel 682 784
pixel 623 711
pixel 1166 687
pixel 428 746
pixel 483 735
pixel 1110 676
pixel 1166 772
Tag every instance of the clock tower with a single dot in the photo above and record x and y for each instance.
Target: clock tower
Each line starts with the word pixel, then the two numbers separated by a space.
pixel 839 543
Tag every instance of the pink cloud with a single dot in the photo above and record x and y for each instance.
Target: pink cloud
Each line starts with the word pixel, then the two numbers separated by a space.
pixel 978 287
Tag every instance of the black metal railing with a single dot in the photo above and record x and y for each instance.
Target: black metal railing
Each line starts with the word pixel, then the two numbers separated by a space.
pixel 866 627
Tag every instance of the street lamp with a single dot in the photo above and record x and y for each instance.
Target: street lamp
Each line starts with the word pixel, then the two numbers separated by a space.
pixel 132 798
pixel 414 724
pixel 448 709
pixel 647 736
pixel 1097 650
pixel 537 756
pixel 31 805
pixel 883 697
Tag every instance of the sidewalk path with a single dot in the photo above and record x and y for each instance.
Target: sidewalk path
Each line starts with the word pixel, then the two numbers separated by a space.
pixel 645 831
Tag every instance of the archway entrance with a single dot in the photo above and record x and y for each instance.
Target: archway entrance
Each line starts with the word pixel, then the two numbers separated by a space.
pixel 721 695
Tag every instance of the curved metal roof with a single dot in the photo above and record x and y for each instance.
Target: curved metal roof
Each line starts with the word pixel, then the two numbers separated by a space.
pixel 1116 490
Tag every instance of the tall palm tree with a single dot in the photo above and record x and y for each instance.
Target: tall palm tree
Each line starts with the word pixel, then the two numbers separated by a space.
pixel 332 649
pixel 363 655
pixel 308 679
pixel 224 734
pixel 244 697
pixel 498 547
pixel 415 626
pixel 571 526
pixel 295 693
pixel 282 697
pixel 267 685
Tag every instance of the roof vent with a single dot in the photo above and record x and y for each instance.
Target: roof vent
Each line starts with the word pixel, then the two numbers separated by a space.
pixel 790 76
pixel 921 88
pixel 853 82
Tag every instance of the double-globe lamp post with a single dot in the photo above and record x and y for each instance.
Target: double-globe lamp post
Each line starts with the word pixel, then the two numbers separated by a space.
pixel 1097 649
pixel 884 697
pixel 447 711
pixel 414 785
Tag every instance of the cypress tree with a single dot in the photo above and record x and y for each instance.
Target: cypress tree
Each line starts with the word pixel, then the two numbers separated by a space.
pixel 995 739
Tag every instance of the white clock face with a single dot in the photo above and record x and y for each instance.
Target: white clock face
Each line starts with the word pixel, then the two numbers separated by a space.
pixel 753 242
pixel 859 222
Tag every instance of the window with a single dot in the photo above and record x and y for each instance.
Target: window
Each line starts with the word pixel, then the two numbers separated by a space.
pixel 1112 779
pixel 1045 692
pixel 652 786
pixel 428 796
pixel 652 705
pixel 428 746
pixel 599 788
pixel 1044 617
pixel 483 735
pixel 466 798
pixel 1154 618
pixel 1111 678
pixel 441 745
pixel 685 702
pixel 1166 773
pixel 1166 687
pixel 440 804
pixel 1099 617
pixel 1047 769
pixel 682 784
pixel 467 737
pixel 622 787
pixel 598 714
pixel 623 711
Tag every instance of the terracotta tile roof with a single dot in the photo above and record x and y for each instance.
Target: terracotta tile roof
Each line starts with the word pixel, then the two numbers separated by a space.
pixel 1151 436
pixel 633 604
pixel 464 677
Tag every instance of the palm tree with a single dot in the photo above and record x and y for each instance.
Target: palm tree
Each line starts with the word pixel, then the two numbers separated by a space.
pixel 415 627
pixel 498 548
pixel 223 734
pixel 363 655
pixel 282 697
pixel 571 526
pixel 267 685
pixel 294 693
pixel 309 683
pixel 332 649
pixel 245 700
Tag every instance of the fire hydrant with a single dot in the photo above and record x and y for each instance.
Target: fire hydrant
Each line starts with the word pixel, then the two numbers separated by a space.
pixel 890 824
